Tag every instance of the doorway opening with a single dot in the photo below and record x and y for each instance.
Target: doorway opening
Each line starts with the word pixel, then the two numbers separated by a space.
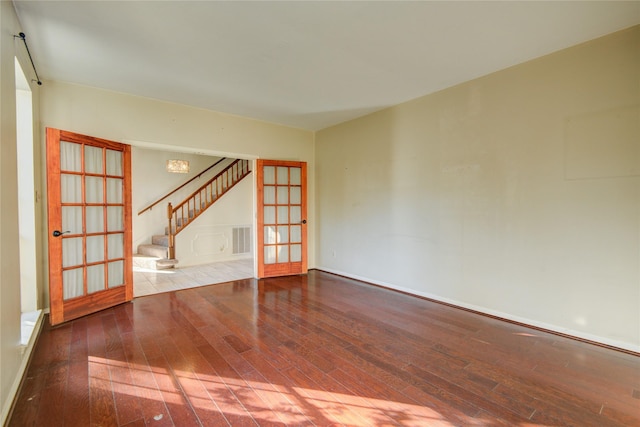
pixel 216 248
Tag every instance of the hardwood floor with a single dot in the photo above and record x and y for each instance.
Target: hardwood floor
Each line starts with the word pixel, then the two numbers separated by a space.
pixel 317 350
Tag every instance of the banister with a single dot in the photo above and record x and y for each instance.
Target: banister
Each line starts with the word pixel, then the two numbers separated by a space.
pixel 171 243
pixel 181 186
pixel 199 190
pixel 202 198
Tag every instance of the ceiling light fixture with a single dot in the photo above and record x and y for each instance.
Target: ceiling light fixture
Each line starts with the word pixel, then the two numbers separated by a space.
pixel 178 166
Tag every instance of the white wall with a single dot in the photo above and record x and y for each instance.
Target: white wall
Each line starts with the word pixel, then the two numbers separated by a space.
pixel 516 194
pixel 150 181
pixel 209 237
pixel 13 358
pixel 150 123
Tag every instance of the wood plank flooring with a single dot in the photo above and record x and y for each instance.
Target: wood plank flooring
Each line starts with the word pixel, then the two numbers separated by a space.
pixel 317 350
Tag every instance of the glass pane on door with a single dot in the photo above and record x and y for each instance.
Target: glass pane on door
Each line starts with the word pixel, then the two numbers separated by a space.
pixel 93 189
pixel 295 195
pixel 116 274
pixel 115 221
pixel 114 190
pixel 73 283
pixel 114 163
pixel 70 157
pixel 283 234
pixel 283 195
pixel 72 219
pixel 95 278
pixel 95 219
pixel 296 216
pixel 72 252
pixel 269 195
pixel 269 254
pixel 283 175
pixel 296 253
pixel 92 159
pixel 116 246
pixel 95 248
pixel 295 176
pixel 283 253
pixel 71 188
pixel 269 215
pixel 269 175
pixel 296 233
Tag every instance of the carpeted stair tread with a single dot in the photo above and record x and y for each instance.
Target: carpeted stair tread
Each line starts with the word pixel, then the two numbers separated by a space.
pixel 160 240
pixel 153 250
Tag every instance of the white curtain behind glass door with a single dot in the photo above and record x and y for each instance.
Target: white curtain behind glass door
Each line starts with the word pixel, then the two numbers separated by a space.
pixel 74 257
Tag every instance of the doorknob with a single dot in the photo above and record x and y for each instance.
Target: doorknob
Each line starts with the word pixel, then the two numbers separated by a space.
pixel 304 221
pixel 57 233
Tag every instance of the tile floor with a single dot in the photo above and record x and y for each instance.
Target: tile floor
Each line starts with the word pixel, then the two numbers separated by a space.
pixel 148 282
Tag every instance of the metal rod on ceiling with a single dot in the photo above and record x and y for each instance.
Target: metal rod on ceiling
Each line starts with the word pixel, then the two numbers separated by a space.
pixel 24 39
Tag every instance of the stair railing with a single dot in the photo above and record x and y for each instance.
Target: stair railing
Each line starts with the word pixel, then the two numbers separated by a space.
pixel 190 208
pixel 148 208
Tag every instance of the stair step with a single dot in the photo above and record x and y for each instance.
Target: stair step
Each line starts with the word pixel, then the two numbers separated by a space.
pixel 179 221
pixel 197 210
pixel 153 263
pixel 173 227
pixel 163 264
pixel 153 250
pixel 160 240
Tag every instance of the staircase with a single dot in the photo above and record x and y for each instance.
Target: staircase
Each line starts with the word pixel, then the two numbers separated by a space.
pixel 154 256
pixel 160 254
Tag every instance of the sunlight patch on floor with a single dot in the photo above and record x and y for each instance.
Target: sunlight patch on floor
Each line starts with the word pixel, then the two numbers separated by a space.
pixel 28 323
pixel 290 403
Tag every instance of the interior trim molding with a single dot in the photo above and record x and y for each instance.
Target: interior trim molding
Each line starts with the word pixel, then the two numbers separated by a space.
pixel 505 317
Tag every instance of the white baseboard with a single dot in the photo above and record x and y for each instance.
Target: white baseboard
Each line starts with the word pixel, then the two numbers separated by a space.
pixel 26 356
pixel 527 322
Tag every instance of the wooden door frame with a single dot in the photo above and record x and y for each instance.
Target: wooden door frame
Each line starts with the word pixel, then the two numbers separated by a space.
pixel 259 194
pixel 100 300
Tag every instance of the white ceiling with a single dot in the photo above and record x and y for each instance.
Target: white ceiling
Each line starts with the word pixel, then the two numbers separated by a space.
pixel 303 64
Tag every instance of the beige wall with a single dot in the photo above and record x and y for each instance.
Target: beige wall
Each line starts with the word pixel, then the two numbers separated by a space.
pixel 499 194
pixel 12 356
pixel 516 194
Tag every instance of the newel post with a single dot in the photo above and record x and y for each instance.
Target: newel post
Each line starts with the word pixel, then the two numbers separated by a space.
pixel 172 250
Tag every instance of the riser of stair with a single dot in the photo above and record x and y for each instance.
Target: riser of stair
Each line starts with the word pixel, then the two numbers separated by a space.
pixel 180 221
pixel 155 255
pixel 153 250
pixel 153 263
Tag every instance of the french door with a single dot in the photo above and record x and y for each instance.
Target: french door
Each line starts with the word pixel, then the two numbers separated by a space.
pixel 89 224
pixel 282 213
